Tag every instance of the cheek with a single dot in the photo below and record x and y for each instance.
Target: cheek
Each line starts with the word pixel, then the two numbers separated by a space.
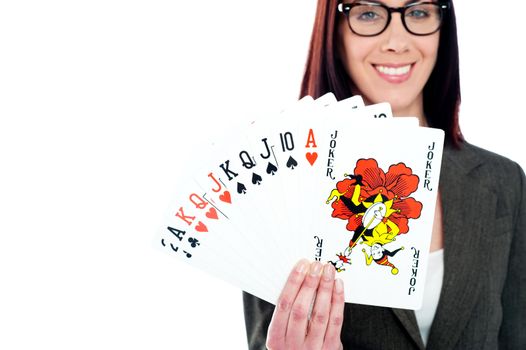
pixel 359 48
pixel 353 50
pixel 345 50
pixel 429 50
pixel 357 53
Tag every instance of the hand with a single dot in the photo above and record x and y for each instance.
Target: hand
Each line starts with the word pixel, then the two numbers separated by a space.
pixel 291 327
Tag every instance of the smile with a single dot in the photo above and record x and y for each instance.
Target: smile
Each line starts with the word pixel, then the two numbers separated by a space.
pixel 394 74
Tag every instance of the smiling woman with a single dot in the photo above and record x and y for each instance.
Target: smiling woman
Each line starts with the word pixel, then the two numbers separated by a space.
pixel 396 66
pixel 103 101
pixel 406 53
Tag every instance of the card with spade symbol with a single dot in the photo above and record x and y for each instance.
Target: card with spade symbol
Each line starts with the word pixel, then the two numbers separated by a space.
pixel 273 143
pixel 262 196
pixel 231 177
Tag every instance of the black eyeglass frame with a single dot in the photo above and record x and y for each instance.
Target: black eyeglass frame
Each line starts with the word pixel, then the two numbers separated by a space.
pixel 346 8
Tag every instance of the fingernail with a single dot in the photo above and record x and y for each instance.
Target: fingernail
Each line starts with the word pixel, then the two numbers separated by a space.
pixel 338 286
pixel 315 268
pixel 301 266
pixel 328 272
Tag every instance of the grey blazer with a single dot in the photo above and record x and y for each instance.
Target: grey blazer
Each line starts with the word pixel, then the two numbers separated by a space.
pixel 483 299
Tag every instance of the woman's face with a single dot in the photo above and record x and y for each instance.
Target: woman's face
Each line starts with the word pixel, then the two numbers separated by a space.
pixel 393 66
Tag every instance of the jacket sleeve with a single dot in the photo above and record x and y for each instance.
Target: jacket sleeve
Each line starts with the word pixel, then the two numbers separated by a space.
pixel 258 314
pixel 512 334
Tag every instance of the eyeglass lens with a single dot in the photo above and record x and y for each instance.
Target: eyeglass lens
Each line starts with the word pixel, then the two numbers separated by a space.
pixel 370 19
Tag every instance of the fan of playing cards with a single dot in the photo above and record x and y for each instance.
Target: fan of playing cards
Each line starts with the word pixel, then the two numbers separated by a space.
pixel 332 181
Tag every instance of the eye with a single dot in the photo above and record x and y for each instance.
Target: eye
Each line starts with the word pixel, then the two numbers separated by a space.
pixel 367 13
pixel 368 16
pixel 422 12
pixel 417 13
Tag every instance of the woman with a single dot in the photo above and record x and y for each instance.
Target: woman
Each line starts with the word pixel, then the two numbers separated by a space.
pixel 406 53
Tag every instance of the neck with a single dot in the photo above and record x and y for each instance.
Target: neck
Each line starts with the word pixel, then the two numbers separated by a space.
pixel 416 109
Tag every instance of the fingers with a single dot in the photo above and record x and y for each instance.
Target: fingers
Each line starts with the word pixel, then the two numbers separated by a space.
pixel 308 286
pixel 298 320
pixel 334 326
pixel 280 319
pixel 322 308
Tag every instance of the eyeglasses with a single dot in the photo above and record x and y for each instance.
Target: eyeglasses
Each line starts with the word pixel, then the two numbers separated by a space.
pixel 372 18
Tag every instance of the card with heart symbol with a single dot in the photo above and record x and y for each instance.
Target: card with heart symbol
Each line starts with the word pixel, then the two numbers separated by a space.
pixel 279 189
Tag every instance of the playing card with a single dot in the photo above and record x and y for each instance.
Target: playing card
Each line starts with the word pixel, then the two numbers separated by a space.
pixel 230 172
pixel 372 210
pixel 191 231
pixel 334 181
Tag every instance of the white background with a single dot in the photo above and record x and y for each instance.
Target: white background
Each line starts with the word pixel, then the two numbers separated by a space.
pixel 100 104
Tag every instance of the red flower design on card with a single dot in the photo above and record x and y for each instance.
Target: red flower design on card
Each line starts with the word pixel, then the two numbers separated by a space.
pixel 369 185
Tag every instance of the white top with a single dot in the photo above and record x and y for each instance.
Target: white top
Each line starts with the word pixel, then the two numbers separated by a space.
pixel 433 286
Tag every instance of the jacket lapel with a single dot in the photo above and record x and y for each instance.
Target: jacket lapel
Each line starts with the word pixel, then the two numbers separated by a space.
pixel 468 209
pixel 408 320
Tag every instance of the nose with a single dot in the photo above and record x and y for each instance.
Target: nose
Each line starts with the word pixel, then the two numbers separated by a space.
pixel 396 37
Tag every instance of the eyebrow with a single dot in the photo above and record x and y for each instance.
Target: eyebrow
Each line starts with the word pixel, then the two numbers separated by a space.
pixel 408 2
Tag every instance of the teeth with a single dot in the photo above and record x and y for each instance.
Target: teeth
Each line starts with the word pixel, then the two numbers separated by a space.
pixel 394 71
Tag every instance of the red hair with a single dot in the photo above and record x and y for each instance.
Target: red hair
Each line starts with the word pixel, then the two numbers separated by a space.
pixel 324 72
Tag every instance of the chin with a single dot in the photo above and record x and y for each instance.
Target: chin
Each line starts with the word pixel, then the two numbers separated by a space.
pixel 401 103
pixel 402 109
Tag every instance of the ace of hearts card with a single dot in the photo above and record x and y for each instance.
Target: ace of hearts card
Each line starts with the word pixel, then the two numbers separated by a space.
pixel 371 210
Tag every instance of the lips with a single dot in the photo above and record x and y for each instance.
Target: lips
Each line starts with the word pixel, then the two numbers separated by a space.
pixel 394 73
